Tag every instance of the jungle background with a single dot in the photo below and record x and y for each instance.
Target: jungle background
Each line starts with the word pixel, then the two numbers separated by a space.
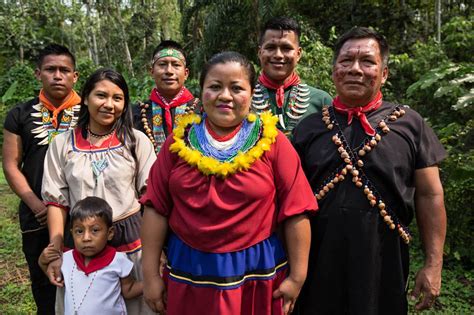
pixel 431 69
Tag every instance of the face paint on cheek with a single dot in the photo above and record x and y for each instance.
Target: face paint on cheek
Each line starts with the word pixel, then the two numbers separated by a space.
pixel 339 74
pixel 206 95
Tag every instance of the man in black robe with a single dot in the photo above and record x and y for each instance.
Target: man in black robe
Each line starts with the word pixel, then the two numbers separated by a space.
pixel 371 164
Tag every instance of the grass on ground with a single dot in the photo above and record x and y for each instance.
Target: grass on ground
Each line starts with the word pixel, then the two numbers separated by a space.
pixel 15 293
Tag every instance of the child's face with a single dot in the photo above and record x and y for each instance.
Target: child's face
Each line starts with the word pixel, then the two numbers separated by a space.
pixel 91 235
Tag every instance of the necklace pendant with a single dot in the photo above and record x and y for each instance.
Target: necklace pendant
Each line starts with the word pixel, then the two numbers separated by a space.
pixel 99 166
pixel 282 121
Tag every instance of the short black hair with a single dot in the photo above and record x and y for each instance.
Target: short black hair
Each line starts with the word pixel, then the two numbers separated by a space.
pixel 54 49
pixel 168 44
pixel 92 207
pixel 282 23
pixel 360 33
pixel 225 57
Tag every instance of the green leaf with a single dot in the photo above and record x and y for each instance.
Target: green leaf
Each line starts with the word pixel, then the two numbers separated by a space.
pixel 10 92
pixel 465 100
pixel 444 90
pixel 469 78
pixel 457 255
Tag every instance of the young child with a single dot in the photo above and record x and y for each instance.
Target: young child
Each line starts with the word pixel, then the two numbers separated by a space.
pixel 96 277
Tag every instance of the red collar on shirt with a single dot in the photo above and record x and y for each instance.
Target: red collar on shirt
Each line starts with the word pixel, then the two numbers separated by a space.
pixel 101 260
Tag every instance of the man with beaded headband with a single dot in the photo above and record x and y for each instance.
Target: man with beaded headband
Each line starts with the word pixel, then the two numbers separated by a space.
pixel 29 129
pixel 370 164
pixel 279 87
pixel 169 99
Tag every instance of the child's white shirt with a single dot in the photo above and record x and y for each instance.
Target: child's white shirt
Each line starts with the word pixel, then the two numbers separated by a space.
pixel 103 286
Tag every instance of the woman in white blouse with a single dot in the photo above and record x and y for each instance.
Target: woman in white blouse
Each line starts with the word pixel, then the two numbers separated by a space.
pixel 103 157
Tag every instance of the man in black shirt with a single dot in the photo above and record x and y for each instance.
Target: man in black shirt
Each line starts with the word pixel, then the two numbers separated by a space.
pixel 370 164
pixel 28 130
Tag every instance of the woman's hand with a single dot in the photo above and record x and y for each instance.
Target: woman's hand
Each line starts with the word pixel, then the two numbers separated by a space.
pixel 289 290
pixel 54 272
pixel 154 293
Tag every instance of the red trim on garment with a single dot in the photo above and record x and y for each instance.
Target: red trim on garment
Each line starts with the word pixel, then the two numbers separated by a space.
pixel 130 247
pixel 84 145
pixel 65 208
pixel 224 137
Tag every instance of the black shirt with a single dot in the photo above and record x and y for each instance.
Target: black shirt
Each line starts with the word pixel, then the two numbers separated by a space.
pixel 31 121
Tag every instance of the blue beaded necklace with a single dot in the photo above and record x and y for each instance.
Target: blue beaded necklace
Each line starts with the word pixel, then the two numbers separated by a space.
pixel 247 136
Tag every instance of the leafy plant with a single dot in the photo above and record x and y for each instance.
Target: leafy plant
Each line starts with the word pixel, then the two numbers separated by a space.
pixel 315 66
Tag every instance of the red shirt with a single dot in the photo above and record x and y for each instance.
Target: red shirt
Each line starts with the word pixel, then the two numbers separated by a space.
pixel 223 215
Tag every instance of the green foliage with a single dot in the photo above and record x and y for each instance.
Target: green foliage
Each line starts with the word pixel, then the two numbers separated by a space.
pixel 315 66
pixel 445 93
pixel 459 38
pixel 18 84
pixel 85 67
pixel 442 91
pixel 456 285
pixel 457 174
pixel 407 68
pixel 140 88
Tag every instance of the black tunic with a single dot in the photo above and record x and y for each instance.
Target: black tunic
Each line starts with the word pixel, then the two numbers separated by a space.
pixel 357 264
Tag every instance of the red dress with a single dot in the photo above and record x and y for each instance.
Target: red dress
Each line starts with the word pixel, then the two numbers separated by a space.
pixel 224 255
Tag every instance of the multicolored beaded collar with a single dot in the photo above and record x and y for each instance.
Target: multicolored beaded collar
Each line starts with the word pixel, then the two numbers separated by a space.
pixel 156 133
pixel 46 130
pixel 353 164
pixel 294 108
pixel 257 135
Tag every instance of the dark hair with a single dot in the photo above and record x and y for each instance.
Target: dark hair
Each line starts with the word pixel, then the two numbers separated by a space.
pixel 282 23
pixel 168 44
pixel 360 33
pixel 123 125
pixel 54 49
pixel 92 207
pixel 225 57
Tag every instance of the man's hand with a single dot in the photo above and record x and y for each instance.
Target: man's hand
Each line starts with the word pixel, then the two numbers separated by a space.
pixel 427 287
pixel 54 272
pixel 154 293
pixel 289 290
pixel 40 211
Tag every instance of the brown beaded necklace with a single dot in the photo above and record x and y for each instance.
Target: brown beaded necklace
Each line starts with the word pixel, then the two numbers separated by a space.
pixel 353 164
pixel 149 127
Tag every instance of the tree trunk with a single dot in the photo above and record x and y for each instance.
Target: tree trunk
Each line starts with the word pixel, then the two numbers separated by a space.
pixel 128 56
pixel 93 51
pixel 438 20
